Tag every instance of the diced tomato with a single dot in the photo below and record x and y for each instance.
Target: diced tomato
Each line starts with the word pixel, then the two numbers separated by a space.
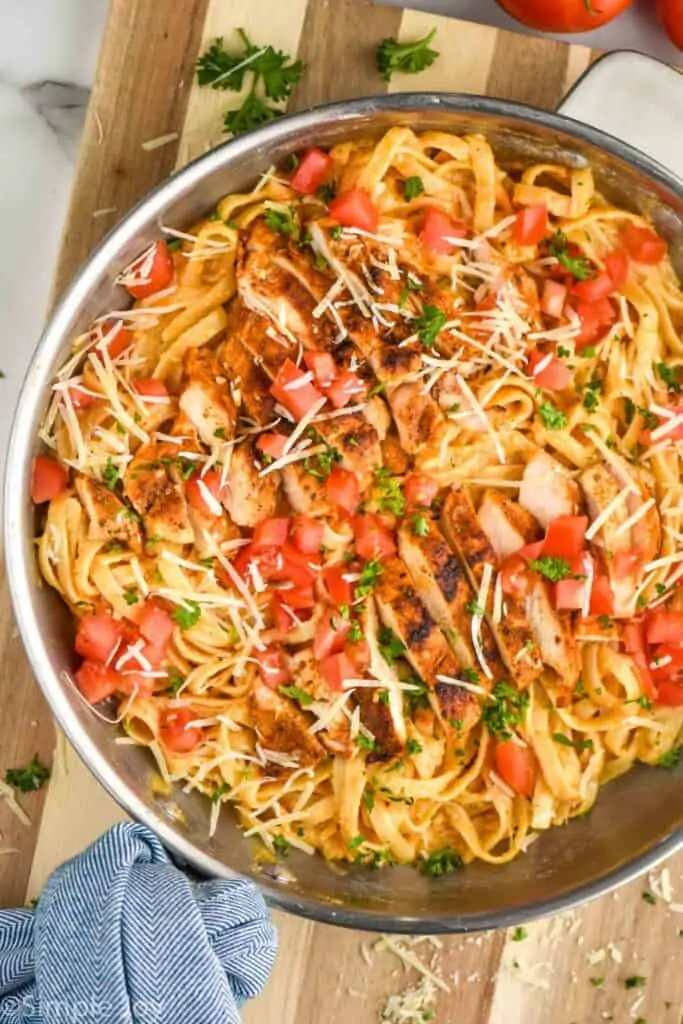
pixel 595 318
pixel 293 391
pixel 531 551
pixel 553 374
pixel 345 388
pixel 438 230
pixel 97 636
pixel 175 731
pixel 568 594
pixel 339 589
pixel 355 209
pixel 301 569
pixel 314 167
pixel 299 598
pixel 268 562
pixel 342 489
pixel 664 627
pixel 667 664
pixel 97 682
pixel 155 624
pixel 373 539
pixel 566 537
pixel 117 340
pixel 359 653
pixel 675 434
pixel 595 288
pixel 150 387
pixel 602 597
pixel 80 399
pixel 643 245
pixel 633 637
pixel 155 272
pixel 669 694
pixel 155 654
pixel 554 298
pixel 515 576
pixel 272 445
pixel 48 479
pixel 531 226
pixel 271 532
pixel 617 264
pixel 200 491
pixel 331 633
pixel 516 766
pixel 322 366
pixel 281 617
pixel 307 534
pixel 274 671
pixel 420 490
pixel 336 669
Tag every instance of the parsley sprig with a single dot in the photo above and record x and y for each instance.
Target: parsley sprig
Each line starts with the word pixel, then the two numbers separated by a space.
pixel 187 614
pixel 390 497
pixel 429 324
pixel 559 246
pixel 390 646
pixel 408 58
pixel 508 709
pixel 553 418
pixel 554 569
pixel 33 776
pixel 441 863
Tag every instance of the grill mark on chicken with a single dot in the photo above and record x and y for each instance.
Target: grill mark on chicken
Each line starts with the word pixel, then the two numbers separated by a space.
pixel 108 517
pixel 376 718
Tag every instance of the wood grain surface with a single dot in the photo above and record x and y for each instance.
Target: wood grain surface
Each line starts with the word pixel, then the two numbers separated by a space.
pixel 144 91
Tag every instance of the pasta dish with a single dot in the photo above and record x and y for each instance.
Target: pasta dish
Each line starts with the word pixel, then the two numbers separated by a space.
pixel 368 508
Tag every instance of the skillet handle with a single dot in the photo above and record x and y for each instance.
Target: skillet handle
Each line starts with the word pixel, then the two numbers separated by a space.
pixel 636 99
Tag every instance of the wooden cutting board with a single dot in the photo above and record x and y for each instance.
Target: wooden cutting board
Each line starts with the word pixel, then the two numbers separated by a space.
pixel 145 91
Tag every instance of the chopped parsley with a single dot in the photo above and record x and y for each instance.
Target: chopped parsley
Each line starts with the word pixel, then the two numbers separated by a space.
pixel 130 595
pixel 377 389
pixel 356 842
pixel 273 76
pixel 390 496
pixel 441 863
pixel 414 747
pixel 321 465
pixel 413 187
pixel 408 58
pixel 220 433
pixel 281 845
pixel 175 680
pixel 649 897
pixel 365 742
pixel 605 621
pixel 563 352
pixel 327 192
pixel 420 524
pixel 569 256
pixel 297 694
pixel 355 632
pixel 474 609
pixel 670 375
pixel 417 698
pixel 429 324
pixel 32 777
pixel 559 737
pixel 519 934
pixel 222 791
pixel 369 575
pixel 597 982
pixel 471 675
pixel 508 709
pixel 553 419
pixel 335 232
pixel 111 474
pixel 588 352
pixel 369 798
pixel 592 389
pixel 187 614
pixel 635 981
pixel 671 758
pixel 411 285
pixel 283 221
pixel 554 569
pixel 174 244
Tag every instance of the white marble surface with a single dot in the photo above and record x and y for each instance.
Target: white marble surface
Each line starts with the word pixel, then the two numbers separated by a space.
pixel 48 55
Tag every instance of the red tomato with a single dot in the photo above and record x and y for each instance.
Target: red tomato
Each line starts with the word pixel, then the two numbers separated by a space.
pixel 117 340
pixel 174 732
pixel 293 391
pixel 438 229
pixel 270 533
pixel 373 538
pixel 531 225
pixel 355 209
pixel 347 387
pixel 300 598
pixel 155 624
pixel 283 620
pixel 97 636
pixel 97 682
pixel 667 664
pixel 272 445
pixel 671 16
pixel 633 637
pixel 568 595
pixel 602 597
pixel 531 551
pixel 664 628
pixel 150 387
pixel 330 634
pixel 595 318
pixel 48 479
pixel 155 655
pixel 566 537
pixel 274 671
pixel 204 492
pixel 554 298
pixel 307 534
pixel 297 567
pixel 154 268
pixel 314 167
pixel 595 288
pixel 291 607
pixel 322 366
pixel 336 669
pixel 564 15
pixel 617 265
pixel 516 766
pixel 339 589
pixel 80 399
pixel 420 490
pixel 515 577
pixel 267 561
pixel 675 434
pixel 553 375
pixel 342 489
pixel 669 694
pixel 642 244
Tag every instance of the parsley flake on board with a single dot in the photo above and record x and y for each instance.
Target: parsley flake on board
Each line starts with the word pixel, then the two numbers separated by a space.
pixel 519 934
pixel 273 76
pixel 570 256
pixel 33 776
pixel 554 569
pixel 408 58
pixel 187 614
pixel 441 863
pixel 508 710
pixel 429 324
pixel 553 419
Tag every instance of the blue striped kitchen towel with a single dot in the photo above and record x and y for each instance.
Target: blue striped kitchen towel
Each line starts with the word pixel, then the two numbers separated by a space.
pixel 121 936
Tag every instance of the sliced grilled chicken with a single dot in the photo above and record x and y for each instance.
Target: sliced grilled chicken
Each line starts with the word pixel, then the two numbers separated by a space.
pixel 207 400
pixel 386 721
pixel 305 493
pixel 553 632
pixel 547 490
pixel 282 726
pixel 426 648
pixel 249 498
pixel 627 551
pixel 250 357
pixel 378 416
pixel 445 590
pixel 376 718
pixel 156 492
pixel 357 443
pixel 507 525
pixel 108 518
pixel 336 735
pixel 513 634
pixel 418 418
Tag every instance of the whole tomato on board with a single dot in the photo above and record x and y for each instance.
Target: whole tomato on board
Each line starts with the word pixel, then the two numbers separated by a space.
pixel 566 15
pixel 671 16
